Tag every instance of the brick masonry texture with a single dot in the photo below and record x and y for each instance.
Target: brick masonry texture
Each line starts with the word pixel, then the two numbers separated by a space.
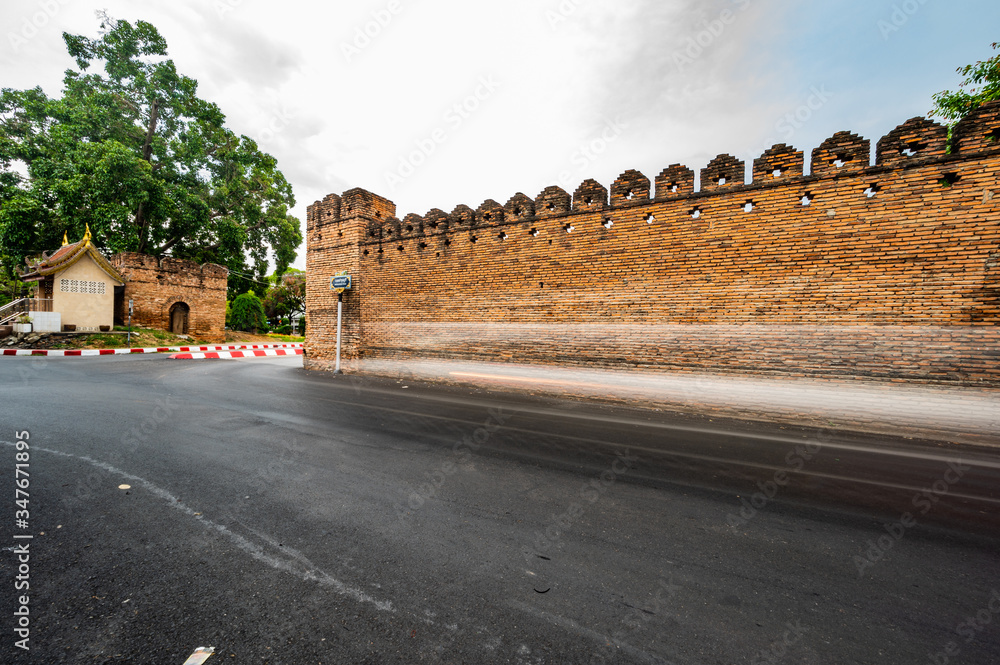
pixel 884 271
pixel 155 285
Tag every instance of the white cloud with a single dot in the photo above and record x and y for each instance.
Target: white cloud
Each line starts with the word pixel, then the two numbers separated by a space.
pixel 566 70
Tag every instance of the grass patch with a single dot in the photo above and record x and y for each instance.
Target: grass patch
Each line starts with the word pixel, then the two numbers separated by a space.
pixel 287 338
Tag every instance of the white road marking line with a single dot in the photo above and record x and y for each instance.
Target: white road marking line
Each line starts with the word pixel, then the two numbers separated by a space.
pixel 200 655
pixel 304 571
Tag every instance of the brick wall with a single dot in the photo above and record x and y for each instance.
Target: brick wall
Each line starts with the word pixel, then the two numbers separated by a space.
pixel 856 270
pixel 155 285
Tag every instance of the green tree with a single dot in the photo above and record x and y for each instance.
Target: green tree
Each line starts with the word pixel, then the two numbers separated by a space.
pixel 137 155
pixel 981 85
pixel 247 313
pixel 286 296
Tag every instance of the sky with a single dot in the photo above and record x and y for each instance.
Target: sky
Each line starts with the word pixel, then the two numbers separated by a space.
pixel 436 103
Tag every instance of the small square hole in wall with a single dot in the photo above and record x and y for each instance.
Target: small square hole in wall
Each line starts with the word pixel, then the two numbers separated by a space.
pixel 502 236
pixel 569 228
pixel 473 238
pixel 517 212
pixel 629 195
pixel 551 206
pixel 589 200
pixel 696 213
pixel 533 233
pixel 949 179
pixel 607 223
pixel 487 216
pixel 366 252
pixel 749 206
pixel 776 173
pixel 840 161
pixel 674 188
pixel 872 191
pixel 650 218
pixel 447 241
pixel 993 136
pixel 400 248
pixel 409 229
pixel 806 199
pixel 423 245
pixel 722 181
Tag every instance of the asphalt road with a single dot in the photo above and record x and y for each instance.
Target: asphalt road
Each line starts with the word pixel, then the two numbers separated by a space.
pixel 291 517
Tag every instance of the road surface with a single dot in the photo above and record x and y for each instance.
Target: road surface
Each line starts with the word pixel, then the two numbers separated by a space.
pixel 285 516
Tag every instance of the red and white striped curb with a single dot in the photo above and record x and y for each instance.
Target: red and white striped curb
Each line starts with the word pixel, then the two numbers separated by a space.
pixel 124 352
pixel 236 354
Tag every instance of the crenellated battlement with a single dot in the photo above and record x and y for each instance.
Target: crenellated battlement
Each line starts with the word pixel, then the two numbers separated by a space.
pixel 895 251
pixel 916 143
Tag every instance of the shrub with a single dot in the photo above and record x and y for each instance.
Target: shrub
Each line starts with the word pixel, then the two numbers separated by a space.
pixel 247 314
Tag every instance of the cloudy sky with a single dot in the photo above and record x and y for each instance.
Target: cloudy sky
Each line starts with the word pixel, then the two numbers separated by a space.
pixel 434 103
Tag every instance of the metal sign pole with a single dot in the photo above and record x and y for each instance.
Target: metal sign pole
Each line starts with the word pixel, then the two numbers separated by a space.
pixel 340 308
pixel 129 342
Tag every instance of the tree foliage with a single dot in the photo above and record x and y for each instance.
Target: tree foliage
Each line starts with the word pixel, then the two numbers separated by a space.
pixel 981 85
pixel 136 154
pixel 247 313
pixel 286 296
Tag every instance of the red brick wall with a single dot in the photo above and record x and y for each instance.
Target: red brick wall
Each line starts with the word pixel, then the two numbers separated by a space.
pixel 903 284
pixel 156 285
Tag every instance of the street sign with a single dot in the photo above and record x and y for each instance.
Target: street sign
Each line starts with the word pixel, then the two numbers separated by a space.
pixel 130 307
pixel 340 283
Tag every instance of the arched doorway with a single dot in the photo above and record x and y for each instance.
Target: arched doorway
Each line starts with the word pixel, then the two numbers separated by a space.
pixel 179 313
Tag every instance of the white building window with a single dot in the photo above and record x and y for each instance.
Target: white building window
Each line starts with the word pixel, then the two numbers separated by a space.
pixel 82 286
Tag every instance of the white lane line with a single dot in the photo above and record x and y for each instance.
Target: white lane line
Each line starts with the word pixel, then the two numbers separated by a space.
pixel 200 655
pixel 298 566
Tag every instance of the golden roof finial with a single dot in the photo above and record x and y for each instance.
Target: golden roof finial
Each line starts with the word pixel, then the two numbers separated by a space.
pixel 86 236
pixel 65 239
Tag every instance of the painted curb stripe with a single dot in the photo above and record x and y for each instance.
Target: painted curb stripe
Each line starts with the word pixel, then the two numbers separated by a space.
pixel 161 349
pixel 217 355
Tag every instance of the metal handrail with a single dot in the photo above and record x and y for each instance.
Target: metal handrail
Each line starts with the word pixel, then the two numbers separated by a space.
pixel 12 310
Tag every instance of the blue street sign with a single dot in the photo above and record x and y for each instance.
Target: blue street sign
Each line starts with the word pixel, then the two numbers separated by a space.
pixel 340 282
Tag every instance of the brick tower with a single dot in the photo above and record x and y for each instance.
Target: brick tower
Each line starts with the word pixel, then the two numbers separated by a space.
pixel 335 228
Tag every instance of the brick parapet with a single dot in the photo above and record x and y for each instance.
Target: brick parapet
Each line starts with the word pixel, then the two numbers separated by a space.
pixel 899 249
pixel 155 285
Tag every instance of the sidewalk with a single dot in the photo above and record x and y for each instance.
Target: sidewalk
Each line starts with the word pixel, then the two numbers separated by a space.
pixel 947 413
